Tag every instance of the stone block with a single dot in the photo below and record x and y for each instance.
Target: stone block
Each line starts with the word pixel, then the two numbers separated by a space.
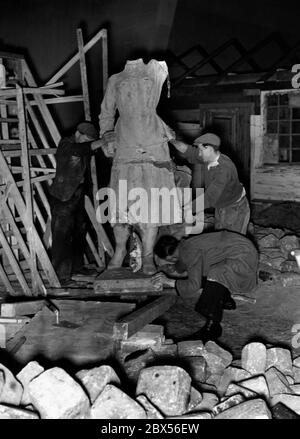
pixel 167 387
pixel 8 412
pixel 228 403
pixel 208 402
pixel 190 348
pixel 195 415
pixel 235 389
pixel 151 411
pixel 232 375
pixel 290 266
pixel 32 370
pixel 254 357
pixel 281 359
pixel 113 403
pixel 281 411
pixel 215 364
pixel 296 362
pixel 55 395
pixel 277 381
pixel 269 240
pixel 257 384
pixel 253 409
pixel 295 388
pixel 291 401
pixel 195 399
pixel 288 243
pixel 11 390
pixel 94 380
pixel 196 367
pixel 296 374
pixel 214 348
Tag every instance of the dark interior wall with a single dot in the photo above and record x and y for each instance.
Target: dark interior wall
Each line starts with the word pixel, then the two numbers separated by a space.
pixel 211 23
pixel 45 31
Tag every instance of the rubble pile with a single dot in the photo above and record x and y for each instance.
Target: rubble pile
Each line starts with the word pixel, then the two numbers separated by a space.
pixel 201 382
pixel 276 263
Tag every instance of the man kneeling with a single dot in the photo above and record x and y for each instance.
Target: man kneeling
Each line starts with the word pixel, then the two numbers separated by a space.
pixel 226 259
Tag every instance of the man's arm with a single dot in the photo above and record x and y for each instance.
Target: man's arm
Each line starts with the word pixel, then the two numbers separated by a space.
pixel 190 153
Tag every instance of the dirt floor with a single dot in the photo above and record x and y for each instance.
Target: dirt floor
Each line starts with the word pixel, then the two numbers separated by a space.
pixel 270 320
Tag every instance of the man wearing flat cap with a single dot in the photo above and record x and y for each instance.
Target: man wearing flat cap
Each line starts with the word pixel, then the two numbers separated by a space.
pixel 71 183
pixel 222 188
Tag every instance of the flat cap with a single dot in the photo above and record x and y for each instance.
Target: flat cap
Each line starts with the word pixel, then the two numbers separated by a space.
pixel 210 138
pixel 88 129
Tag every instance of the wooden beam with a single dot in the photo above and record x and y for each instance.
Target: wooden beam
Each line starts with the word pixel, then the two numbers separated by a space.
pixel 21 308
pixel 63 100
pixel 75 58
pixel 6 281
pixel 83 74
pixel 134 322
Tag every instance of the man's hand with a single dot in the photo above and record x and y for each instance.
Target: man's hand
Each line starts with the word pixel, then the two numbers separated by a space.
pixel 162 280
pixel 97 144
pixel 179 145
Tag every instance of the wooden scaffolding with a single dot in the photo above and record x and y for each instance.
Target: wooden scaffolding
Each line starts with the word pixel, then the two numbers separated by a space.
pixel 27 164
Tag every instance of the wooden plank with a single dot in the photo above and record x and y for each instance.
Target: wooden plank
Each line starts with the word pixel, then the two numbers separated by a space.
pixel 83 74
pixel 6 281
pixel 27 189
pixel 102 237
pixel 124 280
pixel 94 250
pixel 14 263
pixel 61 100
pixel 19 238
pixel 134 322
pixel 75 58
pixel 20 205
pixel 104 61
pixel 21 308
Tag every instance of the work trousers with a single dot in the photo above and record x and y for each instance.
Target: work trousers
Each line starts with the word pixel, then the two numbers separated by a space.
pixel 234 217
pixel 211 301
pixel 69 228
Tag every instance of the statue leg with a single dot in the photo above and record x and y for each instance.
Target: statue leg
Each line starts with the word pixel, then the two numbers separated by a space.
pixel 149 235
pixel 121 232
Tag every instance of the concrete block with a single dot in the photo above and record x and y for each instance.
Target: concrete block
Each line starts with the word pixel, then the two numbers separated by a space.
pixel 94 380
pixel 227 403
pixel 281 359
pixel 32 370
pixel 253 409
pixel 8 412
pixel 167 387
pixel 11 390
pixel 276 381
pixel 190 348
pixel 151 411
pixel 113 403
pixel 55 395
pixel 254 358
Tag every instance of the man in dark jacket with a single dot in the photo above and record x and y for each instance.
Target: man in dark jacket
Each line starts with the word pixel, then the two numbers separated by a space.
pixel 227 260
pixel 222 188
pixel 71 183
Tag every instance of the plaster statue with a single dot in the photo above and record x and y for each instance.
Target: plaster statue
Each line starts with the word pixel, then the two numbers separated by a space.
pixel 141 154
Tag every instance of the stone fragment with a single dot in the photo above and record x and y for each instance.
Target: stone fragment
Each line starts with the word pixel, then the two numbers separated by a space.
pixel 296 362
pixel 295 388
pixel 94 380
pixel 254 357
pixel 209 400
pixel 253 409
pixel 228 403
pixel 281 411
pixel 234 389
pixel 165 350
pixel 196 367
pixel 8 412
pixel 256 384
pixel 148 337
pixel 232 375
pixel 55 395
pixel 190 348
pixel 277 381
pixel 11 390
pixel 167 387
pixel 288 243
pixel 215 380
pixel 291 401
pixel 272 257
pixel 113 403
pixel 290 266
pixel 215 364
pixel 25 376
pixel 214 348
pixel 151 411
pixel 195 399
pixel 269 240
pixel 296 374
pixel 281 359
pixel 136 362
